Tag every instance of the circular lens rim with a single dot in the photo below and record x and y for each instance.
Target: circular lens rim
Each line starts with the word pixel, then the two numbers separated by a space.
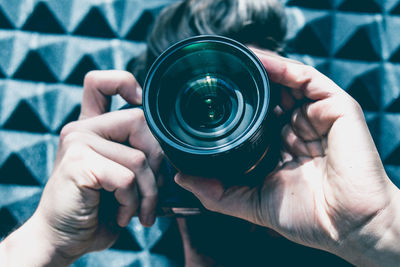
pixel 174 142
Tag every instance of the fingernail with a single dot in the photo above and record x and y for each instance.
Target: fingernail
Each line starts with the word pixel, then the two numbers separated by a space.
pixel 122 221
pixel 139 93
pixel 180 180
pixel 150 219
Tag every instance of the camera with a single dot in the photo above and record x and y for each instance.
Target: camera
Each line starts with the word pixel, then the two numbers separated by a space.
pixel 208 102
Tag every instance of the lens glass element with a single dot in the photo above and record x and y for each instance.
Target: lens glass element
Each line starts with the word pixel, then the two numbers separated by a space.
pixel 208 106
pixel 206 94
pixel 206 103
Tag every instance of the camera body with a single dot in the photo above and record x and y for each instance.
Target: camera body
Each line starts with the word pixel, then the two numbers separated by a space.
pixel 207 100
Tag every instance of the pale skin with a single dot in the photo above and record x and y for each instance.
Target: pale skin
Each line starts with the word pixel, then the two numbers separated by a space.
pixel 330 191
pixel 91 158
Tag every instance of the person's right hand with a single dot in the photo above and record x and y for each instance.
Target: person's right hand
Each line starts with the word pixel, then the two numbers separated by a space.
pixel 101 157
pixel 99 87
pixel 330 190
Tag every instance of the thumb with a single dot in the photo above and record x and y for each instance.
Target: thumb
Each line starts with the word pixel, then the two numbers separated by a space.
pixel 238 201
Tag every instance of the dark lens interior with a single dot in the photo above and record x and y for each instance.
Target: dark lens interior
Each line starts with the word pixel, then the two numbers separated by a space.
pixel 207 94
pixel 208 107
pixel 207 102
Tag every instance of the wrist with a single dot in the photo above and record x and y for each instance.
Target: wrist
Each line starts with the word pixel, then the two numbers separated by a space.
pixel 31 245
pixel 376 243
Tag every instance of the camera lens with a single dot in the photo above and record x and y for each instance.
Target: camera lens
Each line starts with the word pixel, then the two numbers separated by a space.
pixel 209 106
pixel 208 103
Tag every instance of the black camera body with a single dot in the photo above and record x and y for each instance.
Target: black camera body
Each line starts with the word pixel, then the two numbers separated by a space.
pixel 208 102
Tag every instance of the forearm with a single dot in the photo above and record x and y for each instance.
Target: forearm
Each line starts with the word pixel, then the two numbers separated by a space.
pixel 30 245
pixel 377 243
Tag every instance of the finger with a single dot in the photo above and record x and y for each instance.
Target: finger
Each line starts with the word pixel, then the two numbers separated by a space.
pixel 241 202
pixel 147 188
pixel 258 51
pixel 322 114
pixel 297 94
pixel 305 130
pixel 130 158
pixel 287 100
pixel 302 78
pixel 100 85
pixel 302 127
pixel 129 200
pixel 278 111
pixel 122 126
pixel 285 157
pixel 109 175
pixel 136 161
pixel 295 145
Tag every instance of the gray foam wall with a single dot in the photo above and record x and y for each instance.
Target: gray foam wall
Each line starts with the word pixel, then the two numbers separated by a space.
pixel 46 48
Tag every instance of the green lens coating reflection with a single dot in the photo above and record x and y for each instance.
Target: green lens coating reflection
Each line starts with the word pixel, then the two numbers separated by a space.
pixel 207 103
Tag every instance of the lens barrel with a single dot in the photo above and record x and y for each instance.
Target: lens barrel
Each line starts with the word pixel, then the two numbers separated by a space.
pixel 207 101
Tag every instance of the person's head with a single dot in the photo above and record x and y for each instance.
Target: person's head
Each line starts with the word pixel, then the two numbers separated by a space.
pixel 261 23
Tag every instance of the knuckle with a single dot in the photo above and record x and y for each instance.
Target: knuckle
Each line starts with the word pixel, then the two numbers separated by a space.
pixel 128 179
pixel 139 160
pixel 351 106
pixel 151 194
pixel 153 190
pixel 127 76
pixel 157 154
pixel 284 73
pixel 138 115
pixel 68 130
pixel 135 116
pixel 209 205
pixel 357 107
pixel 308 71
pixel 90 79
pixel 72 138
pixel 306 74
pixel 122 79
pixel 137 119
pixel 74 153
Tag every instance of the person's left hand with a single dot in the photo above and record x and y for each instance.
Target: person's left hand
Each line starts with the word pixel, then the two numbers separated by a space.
pixel 330 190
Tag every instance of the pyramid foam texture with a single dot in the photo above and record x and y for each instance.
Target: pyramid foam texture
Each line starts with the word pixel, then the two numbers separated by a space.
pixel 47 46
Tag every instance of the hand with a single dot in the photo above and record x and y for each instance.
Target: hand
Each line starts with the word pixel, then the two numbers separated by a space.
pixel 330 190
pixel 92 159
pixel 99 86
